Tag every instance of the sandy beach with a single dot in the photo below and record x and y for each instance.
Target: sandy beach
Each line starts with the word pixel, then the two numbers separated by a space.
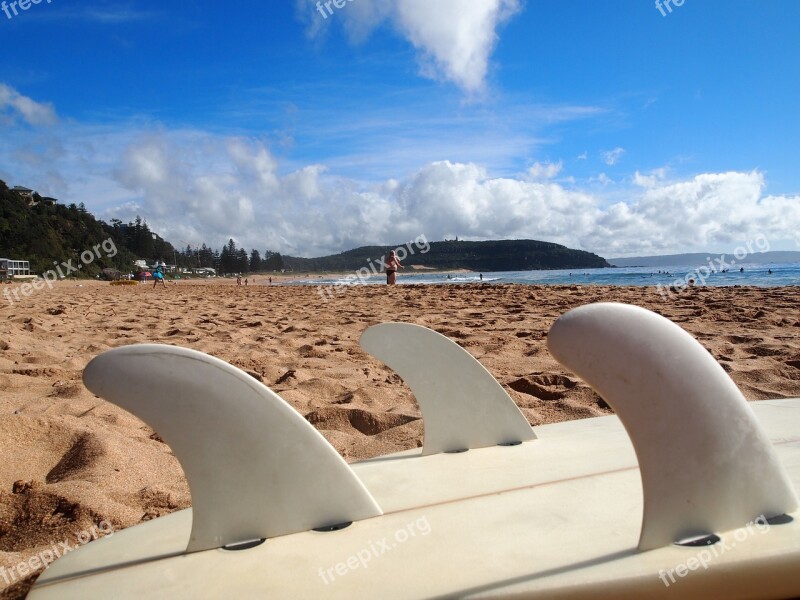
pixel 71 462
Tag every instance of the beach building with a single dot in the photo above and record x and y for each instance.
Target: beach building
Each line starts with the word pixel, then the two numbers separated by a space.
pixel 46 200
pixel 14 268
pixel 26 193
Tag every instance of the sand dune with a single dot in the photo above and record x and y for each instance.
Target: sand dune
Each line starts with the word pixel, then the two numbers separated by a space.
pixel 71 461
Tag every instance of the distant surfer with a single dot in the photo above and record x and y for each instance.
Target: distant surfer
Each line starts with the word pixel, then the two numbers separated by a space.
pixel 392 264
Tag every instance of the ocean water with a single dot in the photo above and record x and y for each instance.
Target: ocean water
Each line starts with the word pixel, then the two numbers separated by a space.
pixel 755 275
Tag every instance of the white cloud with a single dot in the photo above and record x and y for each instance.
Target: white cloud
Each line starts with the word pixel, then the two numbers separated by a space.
pixel 545 170
pixel 602 179
pixel 204 187
pixel 115 14
pixel 14 105
pixel 454 38
pixel 706 212
pixel 612 157
pixel 648 181
pixel 311 212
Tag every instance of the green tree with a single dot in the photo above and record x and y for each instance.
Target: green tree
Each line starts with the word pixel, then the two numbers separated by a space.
pixel 272 261
pixel 205 256
pixel 255 261
pixel 229 258
pixel 242 265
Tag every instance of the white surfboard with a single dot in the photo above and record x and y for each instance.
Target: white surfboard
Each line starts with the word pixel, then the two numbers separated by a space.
pixel 564 515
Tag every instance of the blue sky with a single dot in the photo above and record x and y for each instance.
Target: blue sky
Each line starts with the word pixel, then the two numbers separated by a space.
pixel 605 126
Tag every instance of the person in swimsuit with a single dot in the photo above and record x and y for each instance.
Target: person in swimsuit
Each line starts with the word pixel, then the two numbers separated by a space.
pixel 392 264
pixel 158 277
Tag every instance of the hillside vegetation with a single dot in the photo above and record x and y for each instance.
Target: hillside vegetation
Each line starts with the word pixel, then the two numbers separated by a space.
pixel 503 255
pixel 49 233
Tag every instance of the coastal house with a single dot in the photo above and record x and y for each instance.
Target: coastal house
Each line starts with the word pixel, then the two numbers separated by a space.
pixel 14 268
pixel 32 197
pixel 24 192
pixel 27 194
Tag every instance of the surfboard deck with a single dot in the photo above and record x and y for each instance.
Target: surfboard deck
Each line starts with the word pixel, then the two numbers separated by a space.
pixel 552 518
pixel 559 514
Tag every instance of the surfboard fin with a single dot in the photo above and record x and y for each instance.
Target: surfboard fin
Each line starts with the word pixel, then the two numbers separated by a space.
pixel 463 406
pixel 256 468
pixel 706 464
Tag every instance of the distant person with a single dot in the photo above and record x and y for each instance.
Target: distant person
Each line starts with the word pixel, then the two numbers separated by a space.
pixel 392 264
pixel 770 271
pixel 741 269
pixel 245 282
pixel 481 276
pixel 270 280
pixel 158 277
pixel 238 280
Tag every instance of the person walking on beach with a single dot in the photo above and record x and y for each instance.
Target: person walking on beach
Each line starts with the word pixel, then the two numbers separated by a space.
pixel 392 264
pixel 158 276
